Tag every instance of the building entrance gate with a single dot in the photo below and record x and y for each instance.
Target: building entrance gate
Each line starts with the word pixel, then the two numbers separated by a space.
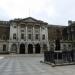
pixel 22 49
pixel 30 49
pixel 37 48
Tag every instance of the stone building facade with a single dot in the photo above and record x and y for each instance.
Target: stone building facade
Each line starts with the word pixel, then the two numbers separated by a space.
pixel 4 36
pixel 28 36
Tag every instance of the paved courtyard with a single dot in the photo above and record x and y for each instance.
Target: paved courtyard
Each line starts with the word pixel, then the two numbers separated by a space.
pixel 30 65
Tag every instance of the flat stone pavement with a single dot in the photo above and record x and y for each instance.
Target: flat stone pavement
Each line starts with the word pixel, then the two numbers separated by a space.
pixel 30 65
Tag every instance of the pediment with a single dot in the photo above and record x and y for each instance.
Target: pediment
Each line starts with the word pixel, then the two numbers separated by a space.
pixel 29 19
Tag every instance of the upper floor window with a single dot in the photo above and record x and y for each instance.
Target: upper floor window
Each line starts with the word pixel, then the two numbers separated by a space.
pixel 4 37
pixel 14 36
pixel 14 26
pixel 37 36
pixel 22 30
pixel 29 30
pixel 29 36
pixel 43 36
pixel 22 25
pixel 22 36
pixel 37 31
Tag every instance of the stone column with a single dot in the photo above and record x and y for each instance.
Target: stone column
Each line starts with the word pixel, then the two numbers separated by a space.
pixel 33 49
pixel 33 34
pixel 26 48
pixel 26 34
pixel 48 48
pixel 9 47
pixel 18 48
pixel 41 49
pixel 18 34
pixel 40 35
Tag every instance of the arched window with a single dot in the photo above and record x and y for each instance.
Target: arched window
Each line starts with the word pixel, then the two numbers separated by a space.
pixel 14 36
pixel 14 48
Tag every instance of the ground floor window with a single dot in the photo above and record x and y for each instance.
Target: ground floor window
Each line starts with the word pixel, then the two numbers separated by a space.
pixel 14 48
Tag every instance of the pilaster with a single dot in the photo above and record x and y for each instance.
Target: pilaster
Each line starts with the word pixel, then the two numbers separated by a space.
pixel 26 49
pixel 33 49
pixel 33 34
pixel 40 35
pixel 26 34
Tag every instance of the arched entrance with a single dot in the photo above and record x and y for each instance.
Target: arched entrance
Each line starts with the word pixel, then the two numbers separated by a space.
pixel 22 49
pixel 4 47
pixel 30 49
pixel 14 48
pixel 37 48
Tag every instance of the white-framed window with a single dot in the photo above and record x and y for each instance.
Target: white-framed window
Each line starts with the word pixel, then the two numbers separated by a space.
pixel 22 36
pixel 14 26
pixel 29 36
pixel 3 37
pixel 36 36
pixel 22 30
pixel 14 36
pixel 43 37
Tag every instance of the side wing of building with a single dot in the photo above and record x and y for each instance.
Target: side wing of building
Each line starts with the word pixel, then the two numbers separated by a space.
pixel 4 35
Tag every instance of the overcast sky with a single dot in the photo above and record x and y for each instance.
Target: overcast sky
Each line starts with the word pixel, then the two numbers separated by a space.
pixel 52 11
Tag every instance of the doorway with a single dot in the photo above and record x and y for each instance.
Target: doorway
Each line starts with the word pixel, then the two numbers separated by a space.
pixel 30 49
pixel 22 49
pixel 37 48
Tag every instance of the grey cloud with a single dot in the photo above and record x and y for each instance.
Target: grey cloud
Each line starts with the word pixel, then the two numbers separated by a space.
pixel 63 10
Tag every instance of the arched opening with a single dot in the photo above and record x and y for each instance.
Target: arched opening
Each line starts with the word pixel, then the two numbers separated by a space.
pixel 37 48
pixel 13 48
pixel 4 47
pixel 30 48
pixel 22 49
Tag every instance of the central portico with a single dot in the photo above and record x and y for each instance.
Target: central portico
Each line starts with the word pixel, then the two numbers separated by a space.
pixel 28 36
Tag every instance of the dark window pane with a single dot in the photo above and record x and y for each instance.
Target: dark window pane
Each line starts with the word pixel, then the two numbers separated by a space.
pixel 43 37
pixel 29 36
pixel 22 36
pixel 14 36
pixel 37 36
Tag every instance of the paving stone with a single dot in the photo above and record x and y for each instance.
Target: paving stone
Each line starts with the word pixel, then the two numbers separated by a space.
pixel 30 65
